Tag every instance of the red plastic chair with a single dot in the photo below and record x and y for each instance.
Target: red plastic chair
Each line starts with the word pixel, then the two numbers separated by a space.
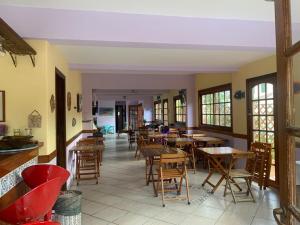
pixel 38 174
pixel 33 205
pixel 43 223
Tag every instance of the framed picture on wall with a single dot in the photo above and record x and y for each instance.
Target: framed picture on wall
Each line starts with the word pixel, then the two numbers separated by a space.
pixel 79 103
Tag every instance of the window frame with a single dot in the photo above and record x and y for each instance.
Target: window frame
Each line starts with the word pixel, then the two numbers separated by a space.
pixel 155 111
pixel 165 113
pixel 214 90
pixel 175 98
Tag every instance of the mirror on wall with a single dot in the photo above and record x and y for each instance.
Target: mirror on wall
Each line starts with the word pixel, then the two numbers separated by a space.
pixel 2 106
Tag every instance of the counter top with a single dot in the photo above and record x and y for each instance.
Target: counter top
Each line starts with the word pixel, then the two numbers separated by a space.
pixel 9 162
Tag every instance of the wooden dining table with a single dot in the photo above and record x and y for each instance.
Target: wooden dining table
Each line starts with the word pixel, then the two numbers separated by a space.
pixel 209 141
pixel 193 135
pixel 157 137
pixel 180 141
pixel 216 157
pixel 152 152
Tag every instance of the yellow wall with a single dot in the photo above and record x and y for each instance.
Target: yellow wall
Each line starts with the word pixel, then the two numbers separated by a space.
pixel 204 81
pixel 238 80
pixel 255 69
pixel 29 88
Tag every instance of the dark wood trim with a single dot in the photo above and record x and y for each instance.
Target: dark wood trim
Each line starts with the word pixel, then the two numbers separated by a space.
pixel 178 97
pixel 211 91
pixel 268 78
pixel 3 106
pixel 73 138
pixel 163 110
pixel 154 106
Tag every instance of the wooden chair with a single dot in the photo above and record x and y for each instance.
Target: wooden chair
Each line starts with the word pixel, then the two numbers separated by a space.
pixel 93 141
pixel 233 175
pixel 190 153
pixel 87 165
pixel 131 138
pixel 263 166
pixel 173 167
pixel 147 160
pixel 139 144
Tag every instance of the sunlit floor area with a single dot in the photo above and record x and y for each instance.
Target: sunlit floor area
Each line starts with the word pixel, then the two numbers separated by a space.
pixel 122 197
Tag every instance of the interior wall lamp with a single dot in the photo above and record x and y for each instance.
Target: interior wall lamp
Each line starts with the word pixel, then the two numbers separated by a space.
pixel 239 94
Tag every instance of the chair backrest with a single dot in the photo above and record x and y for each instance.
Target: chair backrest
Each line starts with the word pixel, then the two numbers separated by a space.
pixel 259 147
pixel 36 175
pixel 173 135
pixel 33 205
pixel 178 158
pixel 248 156
pixel 90 141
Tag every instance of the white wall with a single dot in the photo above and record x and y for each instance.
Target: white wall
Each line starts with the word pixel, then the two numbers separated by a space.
pixel 107 120
pixel 138 82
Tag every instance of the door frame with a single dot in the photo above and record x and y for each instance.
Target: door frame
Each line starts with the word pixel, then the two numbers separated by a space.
pixel 249 83
pixel 60 118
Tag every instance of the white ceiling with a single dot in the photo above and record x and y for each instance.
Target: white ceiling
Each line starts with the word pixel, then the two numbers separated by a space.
pixel 230 9
pixel 150 37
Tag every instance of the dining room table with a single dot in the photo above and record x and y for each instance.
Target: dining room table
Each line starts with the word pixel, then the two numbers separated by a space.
pixel 209 141
pixel 217 158
pixel 179 141
pixel 157 137
pixel 151 153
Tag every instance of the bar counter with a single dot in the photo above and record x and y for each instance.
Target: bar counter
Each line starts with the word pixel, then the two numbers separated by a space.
pixel 11 167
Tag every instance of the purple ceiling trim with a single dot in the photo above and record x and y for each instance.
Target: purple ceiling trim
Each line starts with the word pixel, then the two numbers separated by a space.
pixel 56 24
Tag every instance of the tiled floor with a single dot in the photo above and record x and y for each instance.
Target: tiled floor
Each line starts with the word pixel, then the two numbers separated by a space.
pixel 121 197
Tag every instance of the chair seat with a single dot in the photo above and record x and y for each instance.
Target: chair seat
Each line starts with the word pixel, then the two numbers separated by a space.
pixel 239 173
pixel 171 173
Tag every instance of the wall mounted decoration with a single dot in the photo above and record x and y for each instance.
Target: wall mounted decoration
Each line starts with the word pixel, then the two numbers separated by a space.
pixel 69 101
pixel 296 87
pixel 106 111
pixel 74 122
pixel 52 103
pixel 35 120
pixel 239 94
pixel 79 103
pixel 2 106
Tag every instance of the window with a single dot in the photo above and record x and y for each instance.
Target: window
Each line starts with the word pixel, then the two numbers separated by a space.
pixel 215 107
pixel 165 112
pixel 157 110
pixel 180 110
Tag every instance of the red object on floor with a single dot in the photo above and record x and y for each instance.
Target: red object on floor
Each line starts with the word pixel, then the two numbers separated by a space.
pixel 33 205
pixel 43 223
pixel 38 174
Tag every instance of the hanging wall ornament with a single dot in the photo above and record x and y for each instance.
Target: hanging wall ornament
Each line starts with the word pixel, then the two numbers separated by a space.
pixel 69 101
pixel 35 120
pixel 52 103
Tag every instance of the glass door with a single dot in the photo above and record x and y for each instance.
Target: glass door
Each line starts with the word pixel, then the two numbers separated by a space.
pixel 262 126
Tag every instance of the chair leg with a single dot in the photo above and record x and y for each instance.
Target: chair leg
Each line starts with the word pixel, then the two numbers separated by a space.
pixel 162 191
pixel 226 186
pixel 187 188
pixel 180 185
pixel 249 189
pixel 232 192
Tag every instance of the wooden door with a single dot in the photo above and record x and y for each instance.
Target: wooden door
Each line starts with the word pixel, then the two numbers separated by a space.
pixel 262 116
pixel 60 95
pixel 120 117
pixel 288 129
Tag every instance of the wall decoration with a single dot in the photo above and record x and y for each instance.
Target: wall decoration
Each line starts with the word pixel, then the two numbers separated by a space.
pixel 69 101
pixel 52 103
pixel 296 87
pixel 74 122
pixel 239 94
pixel 35 120
pixel 2 106
pixel 79 103
pixel 106 111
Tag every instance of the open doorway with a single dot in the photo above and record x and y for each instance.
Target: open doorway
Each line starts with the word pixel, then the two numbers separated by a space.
pixel 120 116
pixel 60 93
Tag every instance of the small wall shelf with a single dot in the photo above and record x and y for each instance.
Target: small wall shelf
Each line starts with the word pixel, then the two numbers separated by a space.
pixel 14 44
